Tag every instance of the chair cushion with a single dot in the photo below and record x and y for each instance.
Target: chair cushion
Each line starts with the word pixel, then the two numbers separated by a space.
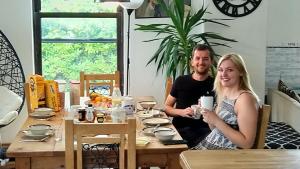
pixel 8 117
pixel 285 89
pixel 10 102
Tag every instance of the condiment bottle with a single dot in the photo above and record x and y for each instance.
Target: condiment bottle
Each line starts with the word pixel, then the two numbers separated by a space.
pixel 116 97
pixel 90 113
pixel 81 114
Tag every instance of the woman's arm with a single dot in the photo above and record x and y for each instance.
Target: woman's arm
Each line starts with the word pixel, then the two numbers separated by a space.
pixel 247 115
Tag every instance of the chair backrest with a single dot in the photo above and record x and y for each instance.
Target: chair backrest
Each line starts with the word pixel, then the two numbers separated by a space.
pixel 169 84
pixel 11 71
pixel 85 132
pixel 262 125
pixel 27 97
pixel 88 80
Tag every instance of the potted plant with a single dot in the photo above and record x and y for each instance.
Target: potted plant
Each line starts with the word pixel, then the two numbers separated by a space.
pixel 177 39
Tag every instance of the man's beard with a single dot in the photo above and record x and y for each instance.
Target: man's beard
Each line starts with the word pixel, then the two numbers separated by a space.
pixel 202 72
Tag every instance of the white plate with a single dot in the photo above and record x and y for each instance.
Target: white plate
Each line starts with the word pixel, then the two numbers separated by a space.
pixel 43 110
pixel 144 114
pixel 148 114
pixel 37 137
pixel 42 115
pixel 156 121
pixel 149 131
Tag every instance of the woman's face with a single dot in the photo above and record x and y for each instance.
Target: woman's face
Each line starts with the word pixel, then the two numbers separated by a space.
pixel 228 74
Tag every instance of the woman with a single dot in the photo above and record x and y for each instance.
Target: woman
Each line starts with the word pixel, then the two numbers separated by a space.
pixel 234 125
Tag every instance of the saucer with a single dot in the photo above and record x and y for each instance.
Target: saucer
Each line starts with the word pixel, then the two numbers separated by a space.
pixel 156 121
pixel 149 131
pixel 144 114
pixel 42 115
pixel 29 134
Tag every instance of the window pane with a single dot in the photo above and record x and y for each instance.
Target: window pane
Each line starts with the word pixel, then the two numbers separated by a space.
pixel 77 6
pixel 66 60
pixel 79 28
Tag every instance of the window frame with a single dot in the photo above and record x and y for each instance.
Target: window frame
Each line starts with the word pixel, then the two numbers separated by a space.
pixel 37 38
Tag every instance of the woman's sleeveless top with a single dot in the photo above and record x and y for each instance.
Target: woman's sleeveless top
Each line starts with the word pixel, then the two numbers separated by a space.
pixel 216 139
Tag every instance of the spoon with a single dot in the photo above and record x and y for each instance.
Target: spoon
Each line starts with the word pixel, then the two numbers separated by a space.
pixel 147 112
pixel 155 128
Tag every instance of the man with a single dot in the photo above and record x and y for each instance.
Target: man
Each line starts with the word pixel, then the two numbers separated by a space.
pixel 186 91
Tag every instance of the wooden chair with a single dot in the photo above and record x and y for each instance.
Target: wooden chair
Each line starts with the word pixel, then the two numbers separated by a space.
pixel 169 84
pixel 88 80
pixel 27 97
pixel 262 125
pixel 84 133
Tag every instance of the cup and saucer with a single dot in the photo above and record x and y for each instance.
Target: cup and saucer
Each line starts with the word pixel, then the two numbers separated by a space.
pixel 42 113
pixel 38 132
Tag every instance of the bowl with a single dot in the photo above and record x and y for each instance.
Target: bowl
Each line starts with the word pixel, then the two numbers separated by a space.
pixel 164 135
pixel 147 104
pixel 39 129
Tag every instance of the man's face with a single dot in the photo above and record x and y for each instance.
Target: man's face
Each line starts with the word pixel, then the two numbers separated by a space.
pixel 201 61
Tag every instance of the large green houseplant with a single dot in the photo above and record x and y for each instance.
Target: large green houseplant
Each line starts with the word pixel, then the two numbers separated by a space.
pixel 177 39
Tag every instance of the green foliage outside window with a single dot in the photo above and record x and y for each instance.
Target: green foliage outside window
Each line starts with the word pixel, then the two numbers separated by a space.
pixel 66 60
pixel 71 45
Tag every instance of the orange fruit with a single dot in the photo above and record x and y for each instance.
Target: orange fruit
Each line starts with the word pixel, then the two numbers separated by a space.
pixel 98 99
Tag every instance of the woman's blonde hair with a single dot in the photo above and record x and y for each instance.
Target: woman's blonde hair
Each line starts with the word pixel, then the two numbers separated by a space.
pixel 239 63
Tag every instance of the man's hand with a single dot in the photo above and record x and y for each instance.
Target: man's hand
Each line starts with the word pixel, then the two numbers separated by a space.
pixel 187 112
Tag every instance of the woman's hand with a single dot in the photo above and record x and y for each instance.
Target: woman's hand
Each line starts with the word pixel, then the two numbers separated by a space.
pixel 210 117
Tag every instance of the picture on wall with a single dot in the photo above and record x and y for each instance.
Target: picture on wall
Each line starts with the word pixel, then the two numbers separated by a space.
pixel 151 9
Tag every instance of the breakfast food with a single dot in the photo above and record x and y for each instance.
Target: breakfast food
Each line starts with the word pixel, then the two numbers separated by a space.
pixel 99 100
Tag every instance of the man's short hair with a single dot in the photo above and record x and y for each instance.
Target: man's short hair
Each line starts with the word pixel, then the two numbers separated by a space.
pixel 203 47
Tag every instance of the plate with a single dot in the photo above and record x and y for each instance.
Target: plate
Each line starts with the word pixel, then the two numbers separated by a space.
pixel 43 110
pixel 149 131
pixel 40 115
pixel 144 114
pixel 156 121
pixel 28 134
pixel 148 113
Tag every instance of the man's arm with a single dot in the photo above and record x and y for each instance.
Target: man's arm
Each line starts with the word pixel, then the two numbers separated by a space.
pixel 171 111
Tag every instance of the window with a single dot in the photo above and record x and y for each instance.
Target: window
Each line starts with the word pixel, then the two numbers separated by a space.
pixel 76 35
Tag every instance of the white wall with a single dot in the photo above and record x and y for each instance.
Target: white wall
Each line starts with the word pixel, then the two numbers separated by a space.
pixel 144 79
pixel 16 24
pixel 250 31
pixel 283 22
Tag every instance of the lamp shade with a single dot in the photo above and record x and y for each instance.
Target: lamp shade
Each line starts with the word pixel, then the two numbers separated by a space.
pixel 126 4
pixel 133 4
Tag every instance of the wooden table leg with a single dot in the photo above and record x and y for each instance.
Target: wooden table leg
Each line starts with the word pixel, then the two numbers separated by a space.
pixel 173 161
pixel 23 163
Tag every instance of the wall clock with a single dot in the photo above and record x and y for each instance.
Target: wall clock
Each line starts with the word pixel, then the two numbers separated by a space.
pixel 236 8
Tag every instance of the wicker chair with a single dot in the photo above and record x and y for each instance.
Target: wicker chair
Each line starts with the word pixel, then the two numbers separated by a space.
pixel 11 71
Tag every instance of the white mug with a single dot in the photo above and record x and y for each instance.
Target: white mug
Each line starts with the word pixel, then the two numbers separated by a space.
pixel 207 102
pixel 128 104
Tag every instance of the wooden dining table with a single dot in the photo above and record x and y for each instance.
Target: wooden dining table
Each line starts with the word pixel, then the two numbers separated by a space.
pixel 50 153
pixel 236 159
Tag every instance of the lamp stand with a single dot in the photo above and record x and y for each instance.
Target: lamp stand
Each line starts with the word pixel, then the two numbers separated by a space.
pixel 129 12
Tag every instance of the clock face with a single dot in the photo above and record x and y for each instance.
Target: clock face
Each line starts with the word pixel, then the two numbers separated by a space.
pixel 236 8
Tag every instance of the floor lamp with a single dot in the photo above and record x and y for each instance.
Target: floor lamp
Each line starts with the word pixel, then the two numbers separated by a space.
pixel 130 6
